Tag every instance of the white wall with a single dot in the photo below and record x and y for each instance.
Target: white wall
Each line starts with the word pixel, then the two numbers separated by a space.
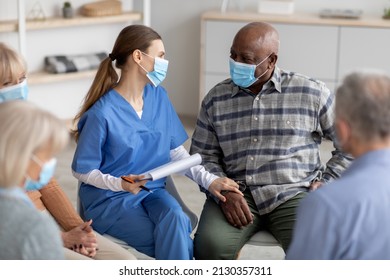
pixel 178 21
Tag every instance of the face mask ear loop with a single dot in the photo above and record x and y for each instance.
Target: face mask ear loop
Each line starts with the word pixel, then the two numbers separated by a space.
pixel 37 160
pixel 266 71
pixel 147 72
pixel 263 60
pixel 147 54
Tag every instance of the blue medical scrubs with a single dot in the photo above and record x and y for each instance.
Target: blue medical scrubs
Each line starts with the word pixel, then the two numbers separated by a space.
pixel 114 140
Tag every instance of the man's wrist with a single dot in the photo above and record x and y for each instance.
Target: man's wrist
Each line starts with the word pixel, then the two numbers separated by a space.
pixel 224 192
pixel 241 186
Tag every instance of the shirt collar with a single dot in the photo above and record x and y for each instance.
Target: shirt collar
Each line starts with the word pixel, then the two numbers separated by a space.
pixel 276 80
pixel 380 157
pixel 236 89
pixel 16 193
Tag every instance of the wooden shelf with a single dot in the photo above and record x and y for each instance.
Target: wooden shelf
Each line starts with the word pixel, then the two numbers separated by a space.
pixel 296 18
pixel 12 26
pixel 44 77
pixel 8 26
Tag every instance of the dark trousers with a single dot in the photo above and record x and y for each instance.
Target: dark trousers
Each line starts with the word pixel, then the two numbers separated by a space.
pixel 216 239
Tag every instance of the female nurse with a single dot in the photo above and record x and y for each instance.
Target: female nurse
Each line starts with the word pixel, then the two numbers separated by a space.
pixel 127 125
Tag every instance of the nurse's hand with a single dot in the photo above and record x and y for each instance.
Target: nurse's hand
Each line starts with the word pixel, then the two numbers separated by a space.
pixel 132 183
pixel 223 185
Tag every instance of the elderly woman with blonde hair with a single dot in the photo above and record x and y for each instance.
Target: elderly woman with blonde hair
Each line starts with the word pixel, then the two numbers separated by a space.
pixel 13 84
pixel 30 137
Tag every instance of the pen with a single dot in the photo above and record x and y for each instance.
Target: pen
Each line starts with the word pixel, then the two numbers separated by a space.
pixel 132 182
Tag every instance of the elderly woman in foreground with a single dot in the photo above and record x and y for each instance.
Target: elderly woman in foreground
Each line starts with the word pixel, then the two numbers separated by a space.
pixel 30 137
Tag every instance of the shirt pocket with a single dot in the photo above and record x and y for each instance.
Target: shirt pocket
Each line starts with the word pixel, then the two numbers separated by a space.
pixel 233 135
pixel 289 134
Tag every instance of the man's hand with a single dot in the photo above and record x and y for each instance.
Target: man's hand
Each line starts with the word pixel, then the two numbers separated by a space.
pixel 223 184
pixel 315 185
pixel 81 239
pixel 236 210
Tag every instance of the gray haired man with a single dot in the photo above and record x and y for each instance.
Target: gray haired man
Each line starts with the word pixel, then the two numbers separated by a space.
pixel 350 218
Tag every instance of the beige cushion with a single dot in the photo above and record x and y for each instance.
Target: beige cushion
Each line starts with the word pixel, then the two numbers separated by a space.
pixel 263 238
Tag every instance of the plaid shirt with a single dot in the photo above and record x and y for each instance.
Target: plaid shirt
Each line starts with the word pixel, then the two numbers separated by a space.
pixel 269 140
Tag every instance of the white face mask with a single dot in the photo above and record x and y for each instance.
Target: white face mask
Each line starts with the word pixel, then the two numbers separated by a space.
pixel 18 91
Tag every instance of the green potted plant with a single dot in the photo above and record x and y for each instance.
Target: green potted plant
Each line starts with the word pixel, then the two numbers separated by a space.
pixel 67 10
pixel 386 13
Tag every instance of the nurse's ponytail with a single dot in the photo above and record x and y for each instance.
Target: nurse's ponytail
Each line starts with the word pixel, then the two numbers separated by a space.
pixel 131 38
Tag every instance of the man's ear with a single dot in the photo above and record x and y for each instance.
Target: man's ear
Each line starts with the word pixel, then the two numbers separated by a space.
pixel 344 132
pixel 273 58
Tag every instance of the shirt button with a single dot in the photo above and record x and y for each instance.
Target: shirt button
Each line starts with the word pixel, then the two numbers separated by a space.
pixel 252 158
pixel 255 118
pixel 250 177
pixel 288 122
pixel 255 140
pixel 257 98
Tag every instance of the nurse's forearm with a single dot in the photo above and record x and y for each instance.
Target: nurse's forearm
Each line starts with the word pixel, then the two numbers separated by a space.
pixel 197 173
pixel 98 179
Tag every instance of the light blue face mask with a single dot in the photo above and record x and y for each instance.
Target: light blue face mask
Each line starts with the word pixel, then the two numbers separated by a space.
pixel 18 91
pixel 243 74
pixel 159 72
pixel 45 175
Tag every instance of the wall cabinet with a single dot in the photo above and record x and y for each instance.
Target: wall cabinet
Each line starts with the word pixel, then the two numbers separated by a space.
pixel 325 49
pixel 364 47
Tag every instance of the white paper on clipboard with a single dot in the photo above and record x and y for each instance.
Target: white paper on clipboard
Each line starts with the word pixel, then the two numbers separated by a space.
pixel 172 167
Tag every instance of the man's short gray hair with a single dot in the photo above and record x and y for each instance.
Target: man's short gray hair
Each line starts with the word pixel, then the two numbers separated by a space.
pixel 363 100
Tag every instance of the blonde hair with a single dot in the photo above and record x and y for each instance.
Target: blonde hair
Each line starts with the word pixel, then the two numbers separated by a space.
pixel 12 64
pixel 131 38
pixel 25 130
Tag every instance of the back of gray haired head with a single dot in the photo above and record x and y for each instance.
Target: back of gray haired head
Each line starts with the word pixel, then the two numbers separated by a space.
pixel 363 100
pixel 26 129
